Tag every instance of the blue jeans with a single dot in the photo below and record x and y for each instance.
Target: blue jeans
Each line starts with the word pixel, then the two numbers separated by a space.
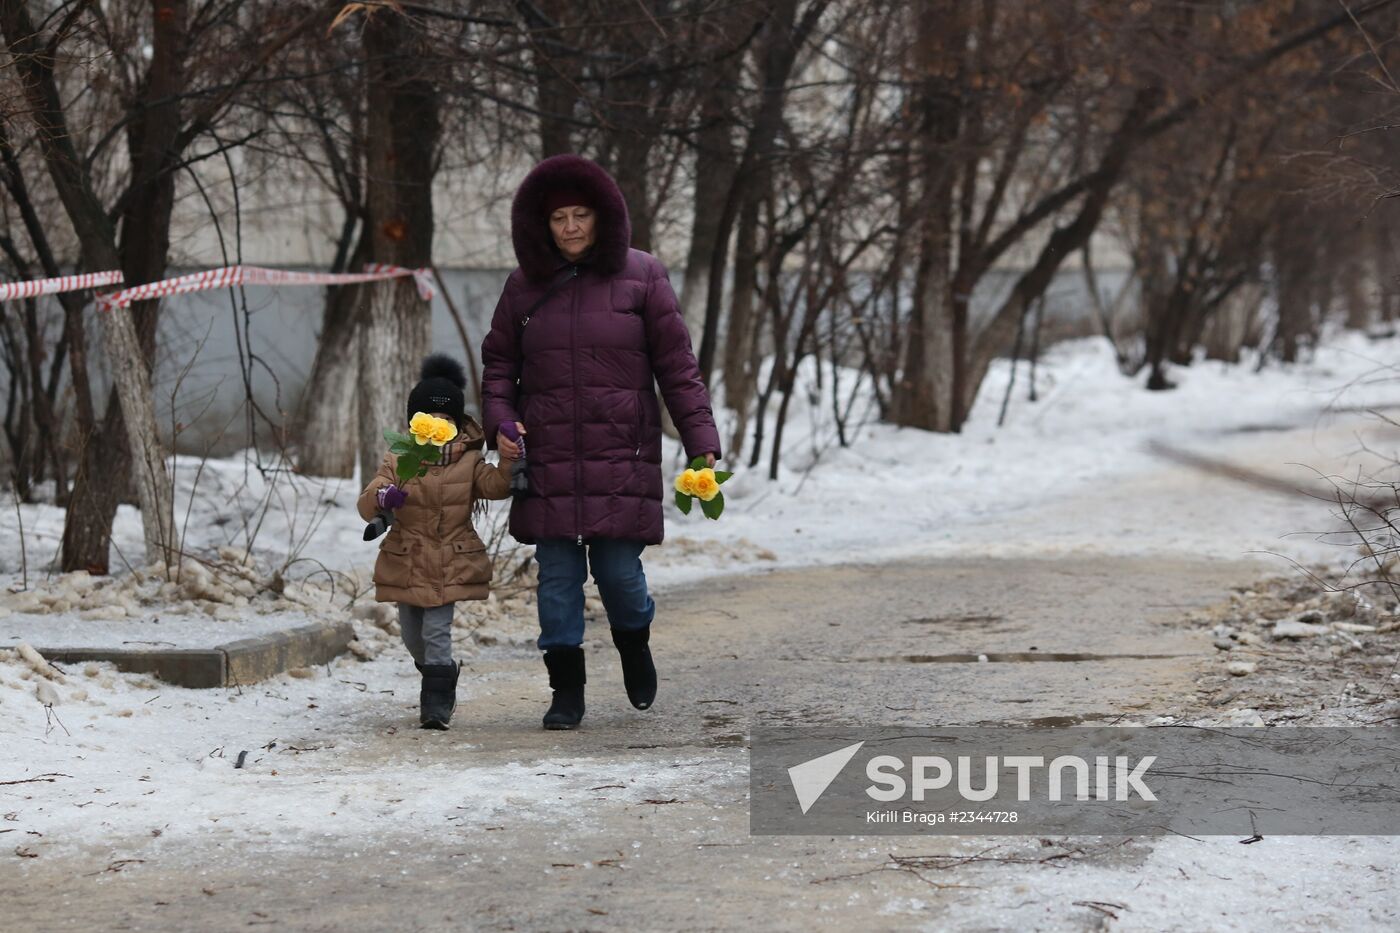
pixel 563 568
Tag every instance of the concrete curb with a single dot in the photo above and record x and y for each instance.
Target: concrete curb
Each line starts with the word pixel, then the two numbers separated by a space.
pixel 244 661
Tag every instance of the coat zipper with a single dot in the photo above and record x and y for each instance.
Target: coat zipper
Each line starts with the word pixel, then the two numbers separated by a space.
pixel 442 547
pixel 578 429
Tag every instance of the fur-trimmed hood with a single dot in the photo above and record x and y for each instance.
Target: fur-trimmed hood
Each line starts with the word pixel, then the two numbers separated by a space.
pixel 529 224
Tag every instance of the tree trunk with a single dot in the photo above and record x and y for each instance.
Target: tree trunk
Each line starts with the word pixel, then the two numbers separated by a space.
pixel 630 143
pixel 1150 261
pixel 1353 282
pixel 740 378
pixel 926 390
pixel 328 409
pixel 714 174
pixel 87 545
pixel 554 87
pixel 19 411
pixel 144 245
pixel 1387 269
pixel 784 36
pixel 395 337
pixel 1294 306
pixel 715 164
pixel 403 129
pixel 74 339
pixel 1229 326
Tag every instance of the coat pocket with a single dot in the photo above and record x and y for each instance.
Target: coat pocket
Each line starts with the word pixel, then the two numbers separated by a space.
pixel 395 564
pixel 469 564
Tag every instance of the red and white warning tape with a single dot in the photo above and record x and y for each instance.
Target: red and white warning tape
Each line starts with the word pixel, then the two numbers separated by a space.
pixel 256 275
pixel 209 279
pixel 63 283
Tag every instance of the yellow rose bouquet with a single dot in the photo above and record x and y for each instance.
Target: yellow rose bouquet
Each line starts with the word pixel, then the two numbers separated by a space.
pixel 421 446
pixel 701 482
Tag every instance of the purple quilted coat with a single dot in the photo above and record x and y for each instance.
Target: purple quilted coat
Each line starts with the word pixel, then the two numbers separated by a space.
pixel 580 372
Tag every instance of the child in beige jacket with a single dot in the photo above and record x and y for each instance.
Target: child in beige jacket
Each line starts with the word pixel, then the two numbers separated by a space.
pixel 432 556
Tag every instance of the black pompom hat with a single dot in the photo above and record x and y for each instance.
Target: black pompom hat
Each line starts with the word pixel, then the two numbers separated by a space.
pixel 442 387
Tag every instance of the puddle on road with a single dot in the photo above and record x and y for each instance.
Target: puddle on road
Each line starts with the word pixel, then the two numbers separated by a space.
pixel 1055 722
pixel 954 621
pixel 723 739
pixel 728 740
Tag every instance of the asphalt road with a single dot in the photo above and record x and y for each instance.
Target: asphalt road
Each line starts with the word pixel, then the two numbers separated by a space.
pixel 892 644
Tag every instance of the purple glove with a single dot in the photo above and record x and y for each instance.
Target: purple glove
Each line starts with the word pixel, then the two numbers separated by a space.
pixel 519 484
pixel 512 434
pixel 391 497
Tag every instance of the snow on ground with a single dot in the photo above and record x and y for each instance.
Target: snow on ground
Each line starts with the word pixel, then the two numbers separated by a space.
pixel 1070 472
pixel 1165 883
pixel 124 755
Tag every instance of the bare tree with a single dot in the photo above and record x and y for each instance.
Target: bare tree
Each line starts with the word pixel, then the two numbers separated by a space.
pixel 402 129
pixel 176 99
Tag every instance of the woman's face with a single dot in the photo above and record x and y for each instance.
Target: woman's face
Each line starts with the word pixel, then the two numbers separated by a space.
pixel 573 229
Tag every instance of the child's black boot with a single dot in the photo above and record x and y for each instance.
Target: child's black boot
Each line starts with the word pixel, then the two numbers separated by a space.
pixel 438 698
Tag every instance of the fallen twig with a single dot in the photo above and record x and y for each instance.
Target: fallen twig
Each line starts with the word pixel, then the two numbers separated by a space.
pixel 1102 906
pixel 117 866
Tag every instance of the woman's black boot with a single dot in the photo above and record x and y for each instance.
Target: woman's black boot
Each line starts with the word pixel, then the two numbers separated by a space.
pixel 438 697
pixel 566 679
pixel 638 671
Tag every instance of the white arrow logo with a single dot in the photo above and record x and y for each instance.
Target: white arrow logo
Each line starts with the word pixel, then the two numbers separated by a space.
pixel 811 778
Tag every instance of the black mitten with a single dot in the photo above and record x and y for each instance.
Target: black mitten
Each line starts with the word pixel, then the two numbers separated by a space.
pixel 378 525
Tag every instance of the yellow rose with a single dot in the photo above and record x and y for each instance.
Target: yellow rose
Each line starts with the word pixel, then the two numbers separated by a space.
pixel 685 483
pixel 421 427
pixel 706 486
pixel 443 431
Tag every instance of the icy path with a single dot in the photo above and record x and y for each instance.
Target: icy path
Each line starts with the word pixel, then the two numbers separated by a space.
pixel 346 817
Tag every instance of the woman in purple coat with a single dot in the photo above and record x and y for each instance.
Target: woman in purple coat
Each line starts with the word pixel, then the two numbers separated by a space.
pixel 584 331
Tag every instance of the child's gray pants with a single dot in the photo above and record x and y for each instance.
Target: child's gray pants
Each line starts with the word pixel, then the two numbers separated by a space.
pixel 427 633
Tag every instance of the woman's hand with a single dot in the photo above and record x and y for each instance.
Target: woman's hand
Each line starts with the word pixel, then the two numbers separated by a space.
pixel 508 448
pixel 710 460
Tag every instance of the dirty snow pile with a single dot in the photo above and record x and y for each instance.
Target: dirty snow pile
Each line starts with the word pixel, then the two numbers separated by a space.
pixel 1296 650
pixel 225 587
pixel 229 590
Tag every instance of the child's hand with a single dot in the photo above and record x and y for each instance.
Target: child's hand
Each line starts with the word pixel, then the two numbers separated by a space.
pixel 510 449
pixel 391 497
